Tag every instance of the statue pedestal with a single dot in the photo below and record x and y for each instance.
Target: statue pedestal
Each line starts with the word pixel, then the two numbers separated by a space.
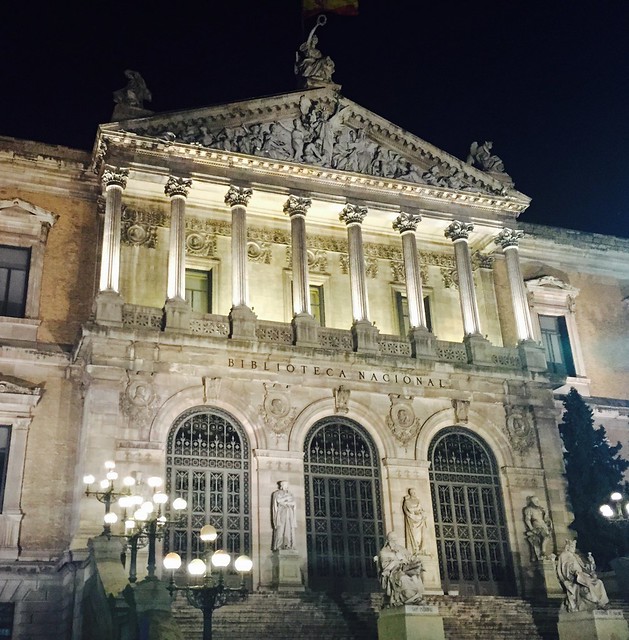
pixel 593 625
pixel 410 622
pixel 287 570
pixel 551 581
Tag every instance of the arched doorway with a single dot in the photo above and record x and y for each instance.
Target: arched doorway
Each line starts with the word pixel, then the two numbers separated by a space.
pixel 343 506
pixel 207 464
pixel 472 542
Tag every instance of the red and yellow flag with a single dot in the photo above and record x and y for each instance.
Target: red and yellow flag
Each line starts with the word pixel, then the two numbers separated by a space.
pixel 340 7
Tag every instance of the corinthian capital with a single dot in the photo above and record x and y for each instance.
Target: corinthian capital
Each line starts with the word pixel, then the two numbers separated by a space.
pixel 406 222
pixel 238 196
pixel 297 206
pixel 177 187
pixel 509 237
pixel 459 230
pixel 353 214
pixel 115 176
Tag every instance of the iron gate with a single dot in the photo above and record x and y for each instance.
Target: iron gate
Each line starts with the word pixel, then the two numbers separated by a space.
pixel 343 508
pixel 471 533
pixel 207 464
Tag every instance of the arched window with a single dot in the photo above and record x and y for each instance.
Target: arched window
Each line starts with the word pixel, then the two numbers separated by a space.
pixel 207 464
pixel 469 515
pixel 343 506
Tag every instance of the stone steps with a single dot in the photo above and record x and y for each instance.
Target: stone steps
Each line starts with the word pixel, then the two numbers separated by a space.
pixel 319 616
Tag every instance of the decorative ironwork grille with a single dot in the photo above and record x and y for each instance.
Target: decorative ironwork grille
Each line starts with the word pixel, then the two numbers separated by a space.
pixel 207 464
pixel 469 519
pixel 343 507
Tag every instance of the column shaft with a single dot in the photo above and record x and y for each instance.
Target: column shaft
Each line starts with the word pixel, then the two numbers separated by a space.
pixel 115 180
pixel 357 273
pixel 240 288
pixel 414 292
pixel 301 286
pixel 177 249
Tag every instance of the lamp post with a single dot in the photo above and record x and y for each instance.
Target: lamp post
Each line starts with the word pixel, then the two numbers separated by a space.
pixel 618 512
pixel 212 592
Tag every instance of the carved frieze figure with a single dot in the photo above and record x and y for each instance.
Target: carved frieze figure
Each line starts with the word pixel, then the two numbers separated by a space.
pixel 283 517
pixel 315 68
pixel 584 590
pixel 461 410
pixel 276 411
pixel 400 573
pixel 480 156
pixel 401 419
pixel 341 399
pixel 135 93
pixel 538 528
pixel 139 402
pixel 414 522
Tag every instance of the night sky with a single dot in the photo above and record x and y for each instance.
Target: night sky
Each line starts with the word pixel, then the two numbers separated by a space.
pixel 549 85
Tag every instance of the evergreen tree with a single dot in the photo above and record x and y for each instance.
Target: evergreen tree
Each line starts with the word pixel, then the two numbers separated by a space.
pixel 594 469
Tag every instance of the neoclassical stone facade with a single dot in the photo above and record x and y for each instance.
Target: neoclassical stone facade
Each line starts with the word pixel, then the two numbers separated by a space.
pixel 293 289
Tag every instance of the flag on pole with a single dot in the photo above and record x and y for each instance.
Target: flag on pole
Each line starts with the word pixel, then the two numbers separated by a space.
pixel 340 7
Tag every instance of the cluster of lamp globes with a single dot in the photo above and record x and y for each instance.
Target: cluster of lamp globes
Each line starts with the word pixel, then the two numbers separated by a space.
pixel 220 559
pixel 141 509
pixel 617 512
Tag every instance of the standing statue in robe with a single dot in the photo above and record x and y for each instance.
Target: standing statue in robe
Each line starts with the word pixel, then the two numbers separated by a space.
pixel 414 522
pixel 310 63
pixel 538 528
pixel 283 518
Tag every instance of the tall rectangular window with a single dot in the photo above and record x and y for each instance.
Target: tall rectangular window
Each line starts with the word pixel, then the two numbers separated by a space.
pixel 14 263
pixel 199 290
pixel 401 304
pixel 556 344
pixel 7 613
pixel 5 439
pixel 316 303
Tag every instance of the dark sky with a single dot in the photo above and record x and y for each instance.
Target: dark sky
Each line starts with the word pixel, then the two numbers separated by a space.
pixel 547 82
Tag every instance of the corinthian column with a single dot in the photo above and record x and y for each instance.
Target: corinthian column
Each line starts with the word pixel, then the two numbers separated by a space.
pixel 459 232
pixel 177 190
pixel 365 334
pixel 304 325
pixel 422 340
pixel 108 303
pixel 242 318
pixel 508 239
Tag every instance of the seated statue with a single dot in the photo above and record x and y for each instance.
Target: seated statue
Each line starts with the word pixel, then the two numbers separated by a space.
pixel 135 93
pixel 400 574
pixel 584 591
pixel 480 156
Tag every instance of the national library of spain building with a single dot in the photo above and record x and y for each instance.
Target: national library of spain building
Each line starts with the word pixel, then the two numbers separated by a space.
pixel 287 290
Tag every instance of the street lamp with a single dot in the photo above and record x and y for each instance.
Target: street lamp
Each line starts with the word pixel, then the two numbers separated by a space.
pixel 617 512
pixel 212 592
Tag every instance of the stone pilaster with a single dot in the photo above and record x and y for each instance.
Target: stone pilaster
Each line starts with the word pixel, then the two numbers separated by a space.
pixel 422 340
pixel 459 232
pixel 305 326
pixel 177 309
pixel 365 334
pixel 109 302
pixel 241 317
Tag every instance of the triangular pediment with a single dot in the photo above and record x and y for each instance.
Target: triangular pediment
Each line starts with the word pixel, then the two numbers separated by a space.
pixel 322 128
pixel 20 209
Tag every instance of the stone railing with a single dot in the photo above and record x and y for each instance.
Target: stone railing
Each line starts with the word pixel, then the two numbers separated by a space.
pixel 389 345
pixel 135 316
pixel 218 326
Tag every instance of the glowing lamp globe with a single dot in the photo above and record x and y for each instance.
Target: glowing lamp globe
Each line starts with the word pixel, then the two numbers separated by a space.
pixel 110 464
pixel 172 561
pixel 616 496
pixel 154 482
pixel 243 564
pixel 196 567
pixel 110 518
pixel 89 479
pixel 220 559
pixel 606 510
pixel 104 484
pixel 179 504
pixel 128 481
pixel 160 498
pixel 208 533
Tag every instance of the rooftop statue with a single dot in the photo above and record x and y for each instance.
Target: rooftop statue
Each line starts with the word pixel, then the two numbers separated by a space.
pixel 480 156
pixel 584 591
pixel 400 573
pixel 135 93
pixel 315 68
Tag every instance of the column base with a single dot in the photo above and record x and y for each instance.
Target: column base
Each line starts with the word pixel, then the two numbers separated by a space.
pixel 593 625
pixel 551 581
pixel 532 355
pixel 478 349
pixel 287 570
pixel 410 622
pixel 242 323
pixel 177 315
pixel 108 308
pixel 423 343
pixel 365 337
pixel 305 330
